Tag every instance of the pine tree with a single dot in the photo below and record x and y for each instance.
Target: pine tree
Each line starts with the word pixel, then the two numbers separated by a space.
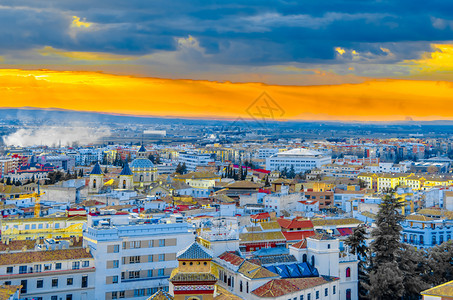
pixel 267 181
pixel 8 181
pixel 440 264
pixel 386 278
pixel 357 244
pixel 413 264
pixel 292 172
pixel 106 170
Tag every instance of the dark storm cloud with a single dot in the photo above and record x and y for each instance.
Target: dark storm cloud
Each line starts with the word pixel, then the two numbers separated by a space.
pixel 229 32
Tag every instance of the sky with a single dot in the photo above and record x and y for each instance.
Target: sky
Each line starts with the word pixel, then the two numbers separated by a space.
pixel 344 60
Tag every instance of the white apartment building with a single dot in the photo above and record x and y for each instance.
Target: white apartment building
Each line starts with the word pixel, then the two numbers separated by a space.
pixel 301 159
pixel 66 274
pixel 264 153
pixel 194 159
pixel 134 257
pixel 282 201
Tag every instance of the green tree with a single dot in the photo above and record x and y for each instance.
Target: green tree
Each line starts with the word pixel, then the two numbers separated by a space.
pixel 292 172
pixel 440 264
pixel 386 278
pixel 357 245
pixel 412 264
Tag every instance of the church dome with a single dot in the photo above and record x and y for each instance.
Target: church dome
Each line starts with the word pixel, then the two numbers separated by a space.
pixel 141 163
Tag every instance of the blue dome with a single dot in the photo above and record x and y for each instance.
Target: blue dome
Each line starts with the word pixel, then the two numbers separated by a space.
pixel 141 163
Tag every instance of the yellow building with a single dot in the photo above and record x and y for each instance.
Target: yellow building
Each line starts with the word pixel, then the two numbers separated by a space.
pixel 194 277
pixel 48 227
pixel 387 181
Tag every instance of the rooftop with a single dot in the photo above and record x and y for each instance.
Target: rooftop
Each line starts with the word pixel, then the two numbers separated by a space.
pixel 43 256
pixel 194 251
pixel 443 290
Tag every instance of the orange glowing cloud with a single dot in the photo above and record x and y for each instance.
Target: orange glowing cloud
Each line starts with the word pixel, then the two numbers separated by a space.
pixel 373 100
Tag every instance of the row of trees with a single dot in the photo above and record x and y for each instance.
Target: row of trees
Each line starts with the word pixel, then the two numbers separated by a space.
pixel 389 269
pixel 236 174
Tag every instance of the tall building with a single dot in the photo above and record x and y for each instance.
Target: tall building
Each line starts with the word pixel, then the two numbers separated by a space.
pixel 194 278
pixel 133 259
pixel 96 179
pixel 194 159
pixel 300 159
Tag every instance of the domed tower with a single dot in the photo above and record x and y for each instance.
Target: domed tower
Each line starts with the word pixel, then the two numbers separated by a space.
pixel 126 178
pixel 96 179
pixel 193 278
pixel 143 170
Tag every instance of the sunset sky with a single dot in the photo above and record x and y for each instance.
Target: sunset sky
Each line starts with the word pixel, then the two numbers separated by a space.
pixel 318 60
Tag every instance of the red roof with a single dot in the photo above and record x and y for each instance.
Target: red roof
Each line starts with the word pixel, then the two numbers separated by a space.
pixel 300 245
pixel 260 216
pixel 267 191
pixel 280 287
pixel 300 224
pixel 232 258
pixel 297 235
pixel 345 231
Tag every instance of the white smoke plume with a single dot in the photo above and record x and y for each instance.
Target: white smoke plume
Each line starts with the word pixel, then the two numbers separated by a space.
pixel 56 135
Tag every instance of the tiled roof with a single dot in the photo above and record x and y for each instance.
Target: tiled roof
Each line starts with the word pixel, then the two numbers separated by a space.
pixel 253 271
pixel 369 215
pixel 141 163
pixel 418 218
pixel 244 185
pixel 223 294
pixel 231 258
pixel 294 270
pixel 17 245
pixel 42 256
pixel 443 290
pixel 193 277
pixel 300 245
pixel 269 225
pixel 198 175
pixel 280 287
pixel 142 149
pixel 194 251
pixel 126 170
pixel 260 216
pixel 276 259
pixel 330 222
pixel 322 237
pixel 295 224
pixel 262 236
pixel 298 235
pixel 161 295
pixel 6 291
pixel 96 170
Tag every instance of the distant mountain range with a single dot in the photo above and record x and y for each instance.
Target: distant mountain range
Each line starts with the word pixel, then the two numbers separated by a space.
pixel 55 115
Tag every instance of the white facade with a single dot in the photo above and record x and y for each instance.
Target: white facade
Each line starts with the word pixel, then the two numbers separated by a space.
pixel 50 276
pixel 133 259
pixel 301 159
pixel 194 159
pixel 282 201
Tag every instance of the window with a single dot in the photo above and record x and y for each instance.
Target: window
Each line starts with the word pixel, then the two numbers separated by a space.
pixel 115 279
pixel 54 282
pixel 150 273
pixel 22 269
pixel 317 294
pixel 328 246
pixel 37 269
pixel 122 294
pixel 57 225
pixel 434 240
pixel 161 243
pixel 309 296
pixel 161 257
pixel 240 286
pixel 348 294
pixel 139 292
pixel 301 297
pixel 326 292
pixel 313 260
pixel 246 286
pixel 69 281
pixel 150 258
pixel 76 265
pixel 116 263
pixel 114 295
pixel 48 267
pixel 124 245
pixel 348 272
pixel 69 297
pixel 57 266
pixel 134 274
pixel 116 248
pixel 160 272
pixel 9 270
pixel 334 291
pixel 134 259
pixel 134 244
pixel 84 281
pixel 54 298
pixel 85 264
pixel 39 283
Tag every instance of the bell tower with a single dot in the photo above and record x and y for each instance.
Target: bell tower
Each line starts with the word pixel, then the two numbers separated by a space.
pixel 96 179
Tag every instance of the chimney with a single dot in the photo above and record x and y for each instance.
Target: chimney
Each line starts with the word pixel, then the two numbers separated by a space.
pixel 87 250
pixel 77 239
